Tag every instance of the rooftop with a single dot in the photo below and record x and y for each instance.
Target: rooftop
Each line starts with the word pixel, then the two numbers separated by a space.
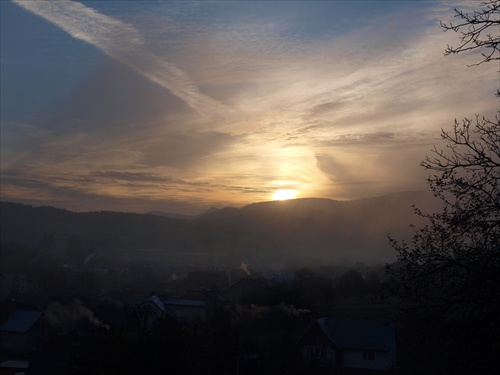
pixel 21 321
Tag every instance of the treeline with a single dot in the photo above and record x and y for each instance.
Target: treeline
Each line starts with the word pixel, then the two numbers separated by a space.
pixel 104 230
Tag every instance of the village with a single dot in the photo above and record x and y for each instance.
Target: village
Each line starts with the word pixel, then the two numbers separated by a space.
pixel 153 310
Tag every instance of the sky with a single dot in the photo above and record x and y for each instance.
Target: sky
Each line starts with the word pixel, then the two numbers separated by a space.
pixel 182 106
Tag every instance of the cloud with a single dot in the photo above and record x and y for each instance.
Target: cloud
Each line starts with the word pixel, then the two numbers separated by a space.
pixel 104 190
pixel 123 43
pixel 340 110
pixel 113 100
pixel 373 169
pixel 131 176
pixel 183 149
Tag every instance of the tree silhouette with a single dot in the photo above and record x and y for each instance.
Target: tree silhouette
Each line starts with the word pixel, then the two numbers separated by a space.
pixel 451 270
pixel 475 29
pixel 448 277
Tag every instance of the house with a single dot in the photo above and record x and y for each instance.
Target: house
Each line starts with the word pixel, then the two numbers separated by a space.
pixel 147 308
pixel 152 308
pixel 349 346
pixel 21 332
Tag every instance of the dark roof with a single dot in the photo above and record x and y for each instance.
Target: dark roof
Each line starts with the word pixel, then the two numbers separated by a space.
pixel 358 333
pixel 21 321
pixel 184 302
pixel 158 302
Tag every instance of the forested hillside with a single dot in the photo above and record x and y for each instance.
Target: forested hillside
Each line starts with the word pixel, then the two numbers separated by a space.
pixel 299 230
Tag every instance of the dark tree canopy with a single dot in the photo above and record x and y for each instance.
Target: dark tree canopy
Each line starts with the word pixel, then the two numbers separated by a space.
pixel 448 277
pixel 458 252
pixel 467 175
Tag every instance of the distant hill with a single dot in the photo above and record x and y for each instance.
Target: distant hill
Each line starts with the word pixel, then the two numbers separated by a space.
pixel 171 215
pixel 291 232
pixel 325 228
pixel 186 217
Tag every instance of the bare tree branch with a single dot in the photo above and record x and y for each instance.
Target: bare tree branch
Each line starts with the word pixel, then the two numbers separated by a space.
pixel 479 30
pixel 448 277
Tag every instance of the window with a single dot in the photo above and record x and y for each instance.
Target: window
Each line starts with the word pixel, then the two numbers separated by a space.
pixel 369 355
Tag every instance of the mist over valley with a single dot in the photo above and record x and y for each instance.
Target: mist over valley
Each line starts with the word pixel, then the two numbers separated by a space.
pixel 291 233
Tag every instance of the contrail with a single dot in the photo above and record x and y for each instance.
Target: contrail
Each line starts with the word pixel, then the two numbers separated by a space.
pixel 123 43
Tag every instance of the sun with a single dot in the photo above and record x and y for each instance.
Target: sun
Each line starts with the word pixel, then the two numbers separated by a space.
pixel 283 194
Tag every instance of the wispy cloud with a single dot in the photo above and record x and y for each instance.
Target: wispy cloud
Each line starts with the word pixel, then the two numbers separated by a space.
pixel 343 109
pixel 124 43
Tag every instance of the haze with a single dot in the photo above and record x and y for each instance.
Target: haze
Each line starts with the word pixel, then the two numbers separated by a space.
pixel 182 106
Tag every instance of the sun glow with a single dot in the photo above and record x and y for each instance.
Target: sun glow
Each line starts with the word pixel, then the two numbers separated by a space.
pixel 283 194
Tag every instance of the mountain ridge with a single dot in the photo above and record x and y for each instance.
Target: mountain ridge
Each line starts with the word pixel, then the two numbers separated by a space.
pixel 299 230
